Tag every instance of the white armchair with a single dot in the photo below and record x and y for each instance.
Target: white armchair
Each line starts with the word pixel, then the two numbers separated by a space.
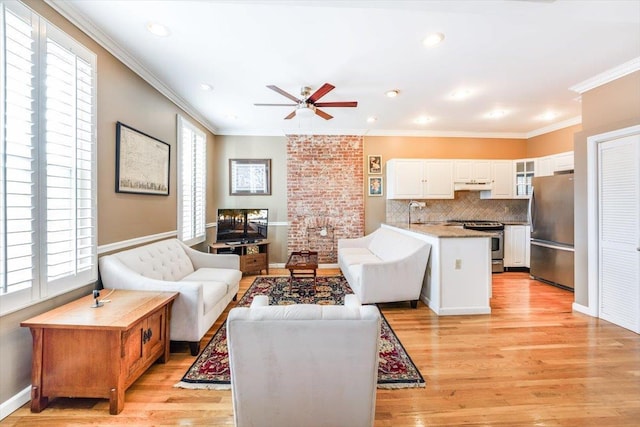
pixel 304 364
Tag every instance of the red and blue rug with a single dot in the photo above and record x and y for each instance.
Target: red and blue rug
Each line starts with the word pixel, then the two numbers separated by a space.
pixel 211 368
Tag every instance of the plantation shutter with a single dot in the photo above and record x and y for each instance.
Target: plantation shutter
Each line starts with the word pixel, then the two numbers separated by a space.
pixel 18 182
pixel 48 201
pixel 192 185
pixel 70 213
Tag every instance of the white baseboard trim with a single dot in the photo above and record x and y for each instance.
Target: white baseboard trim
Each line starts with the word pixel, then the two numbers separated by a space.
pixel 583 309
pixel 103 249
pixel 14 403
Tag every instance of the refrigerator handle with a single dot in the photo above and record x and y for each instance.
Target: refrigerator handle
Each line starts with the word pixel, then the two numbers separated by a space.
pixel 531 212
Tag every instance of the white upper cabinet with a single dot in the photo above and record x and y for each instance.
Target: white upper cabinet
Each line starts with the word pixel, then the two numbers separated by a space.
pixel 563 162
pixel 501 180
pixel 472 171
pixel 405 178
pixel 419 179
pixel 544 166
pixel 495 179
pixel 439 179
pixel 548 165
pixel 525 170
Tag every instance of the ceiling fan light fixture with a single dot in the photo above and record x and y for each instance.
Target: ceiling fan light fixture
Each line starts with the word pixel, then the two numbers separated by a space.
pixel 306 111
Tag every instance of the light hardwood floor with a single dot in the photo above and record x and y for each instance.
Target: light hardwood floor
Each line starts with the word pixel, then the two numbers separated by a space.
pixel 531 362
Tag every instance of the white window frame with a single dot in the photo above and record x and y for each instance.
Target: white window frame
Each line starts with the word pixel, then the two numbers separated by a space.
pixel 42 287
pixel 192 186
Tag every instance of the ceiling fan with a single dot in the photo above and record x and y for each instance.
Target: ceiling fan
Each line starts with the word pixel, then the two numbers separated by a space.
pixel 309 105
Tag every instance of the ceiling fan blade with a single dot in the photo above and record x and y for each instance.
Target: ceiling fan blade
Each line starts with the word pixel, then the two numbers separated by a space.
pixel 323 114
pixel 337 104
pixel 283 93
pixel 275 105
pixel 291 115
pixel 325 89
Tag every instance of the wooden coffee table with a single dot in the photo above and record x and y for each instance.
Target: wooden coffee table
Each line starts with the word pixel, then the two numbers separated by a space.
pixel 302 264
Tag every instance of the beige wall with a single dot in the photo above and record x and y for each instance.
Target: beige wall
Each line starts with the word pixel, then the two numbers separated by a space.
pixel 612 106
pixel 125 97
pixel 558 141
pixel 253 147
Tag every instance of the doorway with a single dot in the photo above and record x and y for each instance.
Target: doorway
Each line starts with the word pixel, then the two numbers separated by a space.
pixel 614 227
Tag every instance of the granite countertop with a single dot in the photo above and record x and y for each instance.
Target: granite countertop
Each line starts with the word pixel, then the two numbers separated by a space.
pixel 515 222
pixel 439 230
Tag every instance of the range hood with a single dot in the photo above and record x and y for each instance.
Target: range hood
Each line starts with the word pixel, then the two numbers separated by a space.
pixel 472 186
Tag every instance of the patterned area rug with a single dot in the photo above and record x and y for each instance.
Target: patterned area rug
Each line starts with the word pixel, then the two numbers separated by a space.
pixel 211 368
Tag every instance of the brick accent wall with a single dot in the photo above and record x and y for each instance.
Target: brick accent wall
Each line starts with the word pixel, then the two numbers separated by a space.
pixel 325 197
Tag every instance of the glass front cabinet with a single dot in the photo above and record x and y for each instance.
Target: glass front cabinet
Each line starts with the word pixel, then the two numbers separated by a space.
pixel 524 176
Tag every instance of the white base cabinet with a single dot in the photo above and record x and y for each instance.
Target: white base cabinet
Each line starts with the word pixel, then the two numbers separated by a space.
pixel 516 245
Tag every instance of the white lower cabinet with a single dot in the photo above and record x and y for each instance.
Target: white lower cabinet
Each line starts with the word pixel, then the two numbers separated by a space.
pixel 516 245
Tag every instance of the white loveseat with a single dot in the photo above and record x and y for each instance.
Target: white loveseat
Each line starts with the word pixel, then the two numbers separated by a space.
pixel 206 282
pixel 384 266
pixel 304 364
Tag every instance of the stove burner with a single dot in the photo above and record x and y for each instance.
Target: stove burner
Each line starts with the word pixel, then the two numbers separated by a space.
pixel 480 225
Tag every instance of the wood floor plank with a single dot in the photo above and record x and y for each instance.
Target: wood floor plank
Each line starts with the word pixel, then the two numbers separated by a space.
pixel 531 362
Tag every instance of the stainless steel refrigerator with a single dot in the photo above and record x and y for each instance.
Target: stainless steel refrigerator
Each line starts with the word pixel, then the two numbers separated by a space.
pixel 551 215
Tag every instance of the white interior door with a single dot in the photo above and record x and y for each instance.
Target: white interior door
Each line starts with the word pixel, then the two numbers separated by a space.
pixel 619 231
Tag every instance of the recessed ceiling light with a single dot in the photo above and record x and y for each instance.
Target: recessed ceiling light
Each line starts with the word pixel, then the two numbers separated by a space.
pixel 158 29
pixel 422 120
pixel 549 115
pixel 496 114
pixel 392 93
pixel 433 39
pixel 206 87
pixel 371 119
pixel 460 94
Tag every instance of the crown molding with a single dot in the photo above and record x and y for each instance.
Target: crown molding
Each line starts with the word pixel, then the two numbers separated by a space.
pixel 368 132
pixel 67 10
pixel 556 126
pixel 607 76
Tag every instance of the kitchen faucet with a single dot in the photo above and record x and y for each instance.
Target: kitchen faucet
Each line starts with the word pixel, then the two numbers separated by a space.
pixel 415 204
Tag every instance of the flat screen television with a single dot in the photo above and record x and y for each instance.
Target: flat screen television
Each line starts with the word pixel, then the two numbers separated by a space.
pixel 242 225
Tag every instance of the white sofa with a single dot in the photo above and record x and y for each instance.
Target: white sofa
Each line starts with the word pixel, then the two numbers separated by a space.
pixel 384 266
pixel 304 364
pixel 206 282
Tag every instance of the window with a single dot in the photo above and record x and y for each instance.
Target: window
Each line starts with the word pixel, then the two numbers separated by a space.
pixel 48 242
pixel 192 157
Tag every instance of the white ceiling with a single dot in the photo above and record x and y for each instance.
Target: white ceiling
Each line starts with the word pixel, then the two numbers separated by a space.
pixel 521 56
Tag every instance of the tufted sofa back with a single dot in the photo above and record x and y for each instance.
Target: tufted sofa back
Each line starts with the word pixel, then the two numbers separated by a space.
pixel 163 260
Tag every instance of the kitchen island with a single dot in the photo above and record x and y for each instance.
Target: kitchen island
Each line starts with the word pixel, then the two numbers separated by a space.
pixel 458 276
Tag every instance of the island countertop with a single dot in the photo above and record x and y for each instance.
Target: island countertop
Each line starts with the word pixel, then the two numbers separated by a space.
pixel 439 230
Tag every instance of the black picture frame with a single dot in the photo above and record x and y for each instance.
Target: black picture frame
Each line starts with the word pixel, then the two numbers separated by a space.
pixel 142 162
pixel 250 177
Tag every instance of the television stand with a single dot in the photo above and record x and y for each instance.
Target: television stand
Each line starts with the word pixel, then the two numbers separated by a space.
pixel 254 256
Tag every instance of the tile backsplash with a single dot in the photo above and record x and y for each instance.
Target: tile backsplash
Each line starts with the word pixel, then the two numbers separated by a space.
pixel 466 205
